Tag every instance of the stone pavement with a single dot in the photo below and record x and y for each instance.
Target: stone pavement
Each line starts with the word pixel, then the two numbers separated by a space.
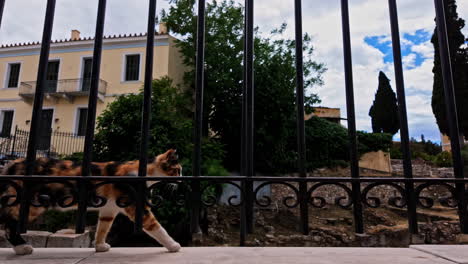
pixel 427 254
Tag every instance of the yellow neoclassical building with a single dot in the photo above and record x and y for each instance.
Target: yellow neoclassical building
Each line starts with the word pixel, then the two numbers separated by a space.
pixel 68 77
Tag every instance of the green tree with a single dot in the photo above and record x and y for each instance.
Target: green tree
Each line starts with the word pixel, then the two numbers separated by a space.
pixel 459 59
pixel 384 110
pixel 118 128
pixel 274 79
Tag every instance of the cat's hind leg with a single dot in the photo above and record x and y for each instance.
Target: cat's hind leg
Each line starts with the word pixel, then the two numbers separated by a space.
pixel 13 236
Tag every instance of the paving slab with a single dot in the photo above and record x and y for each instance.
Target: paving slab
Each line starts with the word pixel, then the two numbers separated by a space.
pixel 226 255
pixel 455 253
pixel 46 256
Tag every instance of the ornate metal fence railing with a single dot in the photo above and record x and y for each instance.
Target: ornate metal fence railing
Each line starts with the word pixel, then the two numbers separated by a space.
pixel 53 144
pixel 409 191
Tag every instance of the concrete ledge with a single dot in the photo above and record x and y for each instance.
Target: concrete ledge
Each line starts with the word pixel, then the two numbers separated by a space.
pixel 67 238
pixel 37 239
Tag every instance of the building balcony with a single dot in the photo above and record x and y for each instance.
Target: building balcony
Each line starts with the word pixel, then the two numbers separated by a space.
pixel 68 89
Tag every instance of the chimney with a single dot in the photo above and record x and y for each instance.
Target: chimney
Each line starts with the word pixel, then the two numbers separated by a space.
pixel 75 34
pixel 162 28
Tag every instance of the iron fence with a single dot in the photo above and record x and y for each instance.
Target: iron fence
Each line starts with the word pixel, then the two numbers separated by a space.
pixel 53 144
pixel 409 191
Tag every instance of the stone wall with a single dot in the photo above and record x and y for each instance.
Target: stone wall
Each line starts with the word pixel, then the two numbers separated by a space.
pixel 422 169
pixel 331 192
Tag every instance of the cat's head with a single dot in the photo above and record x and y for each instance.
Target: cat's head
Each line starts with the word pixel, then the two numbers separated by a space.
pixel 168 163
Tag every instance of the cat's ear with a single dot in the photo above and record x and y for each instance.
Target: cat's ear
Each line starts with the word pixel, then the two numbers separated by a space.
pixel 172 157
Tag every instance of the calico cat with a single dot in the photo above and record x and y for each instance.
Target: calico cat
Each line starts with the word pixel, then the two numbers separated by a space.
pixel 165 164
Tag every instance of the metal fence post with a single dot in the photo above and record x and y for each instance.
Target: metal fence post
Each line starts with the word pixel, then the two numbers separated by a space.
pixel 197 135
pixel 356 186
pixel 91 118
pixel 404 134
pixel 451 110
pixel 36 114
pixel 2 6
pixel 14 141
pixel 146 115
pixel 249 114
pixel 301 141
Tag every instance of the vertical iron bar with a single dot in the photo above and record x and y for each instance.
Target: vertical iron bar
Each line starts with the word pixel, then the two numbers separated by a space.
pixel 2 5
pixel 249 112
pixel 357 206
pixel 197 135
pixel 451 109
pixel 146 115
pixel 91 118
pixel 14 141
pixel 404 134
pixel 36 114
pixel 243 167
pixel 301 142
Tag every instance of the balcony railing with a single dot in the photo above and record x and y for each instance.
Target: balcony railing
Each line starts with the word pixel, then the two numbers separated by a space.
pixel 67 88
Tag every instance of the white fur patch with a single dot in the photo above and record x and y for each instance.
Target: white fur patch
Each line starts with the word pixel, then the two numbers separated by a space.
pixel 24 249
pixel 104 247
pixel 164 239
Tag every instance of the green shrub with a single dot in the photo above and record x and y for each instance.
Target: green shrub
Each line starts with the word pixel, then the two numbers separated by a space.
pixel 368 142
pixel 395 152
pixel 443 159
pixel 76 157
pixel 56 220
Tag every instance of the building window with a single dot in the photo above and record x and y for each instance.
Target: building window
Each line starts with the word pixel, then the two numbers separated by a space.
pixel 132 67
pixel 81 123
pixel 52 76
pixel 13 75
pixel 6 122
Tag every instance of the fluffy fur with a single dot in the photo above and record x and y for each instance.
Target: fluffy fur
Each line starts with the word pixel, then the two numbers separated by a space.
pixel 165 164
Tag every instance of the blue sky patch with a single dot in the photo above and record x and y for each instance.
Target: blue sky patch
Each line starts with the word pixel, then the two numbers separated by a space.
pixel 384 44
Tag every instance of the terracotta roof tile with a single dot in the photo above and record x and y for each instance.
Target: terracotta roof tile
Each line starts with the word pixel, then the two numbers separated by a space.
pixel 24 44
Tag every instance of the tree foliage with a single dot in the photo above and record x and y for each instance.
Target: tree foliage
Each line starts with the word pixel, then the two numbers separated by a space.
pixel 459 59
pixel 274 79
pixel 384 110
pixel 118 127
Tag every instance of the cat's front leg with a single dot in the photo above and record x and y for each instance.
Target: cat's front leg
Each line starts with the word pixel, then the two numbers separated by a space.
pixel 106 218
pixel 152 227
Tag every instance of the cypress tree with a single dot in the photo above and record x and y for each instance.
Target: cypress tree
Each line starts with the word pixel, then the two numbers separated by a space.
pixel 384 110
pixel 459 60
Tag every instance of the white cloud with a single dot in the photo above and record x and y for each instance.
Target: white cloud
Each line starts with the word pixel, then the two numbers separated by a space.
pixel 322 19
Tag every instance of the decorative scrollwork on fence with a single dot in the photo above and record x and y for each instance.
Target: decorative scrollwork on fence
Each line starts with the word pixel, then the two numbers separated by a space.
pixel 428 202
pixel 52 193
pixel 320 202
pixel 288 201
pixel 156 191
pixel 375 202
pixel 210 199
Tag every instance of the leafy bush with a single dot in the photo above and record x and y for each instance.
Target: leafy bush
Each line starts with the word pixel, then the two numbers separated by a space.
pixel 76 157
pixel 326 146
pixel 368 142
pixel 443 159
pixel 56 220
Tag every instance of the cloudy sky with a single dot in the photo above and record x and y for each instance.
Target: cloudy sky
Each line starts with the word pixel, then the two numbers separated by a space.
pixel 370 31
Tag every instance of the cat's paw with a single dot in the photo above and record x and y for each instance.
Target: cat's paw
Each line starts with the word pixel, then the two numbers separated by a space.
pixel 104 247
pixel 23 249
pixel 174 247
